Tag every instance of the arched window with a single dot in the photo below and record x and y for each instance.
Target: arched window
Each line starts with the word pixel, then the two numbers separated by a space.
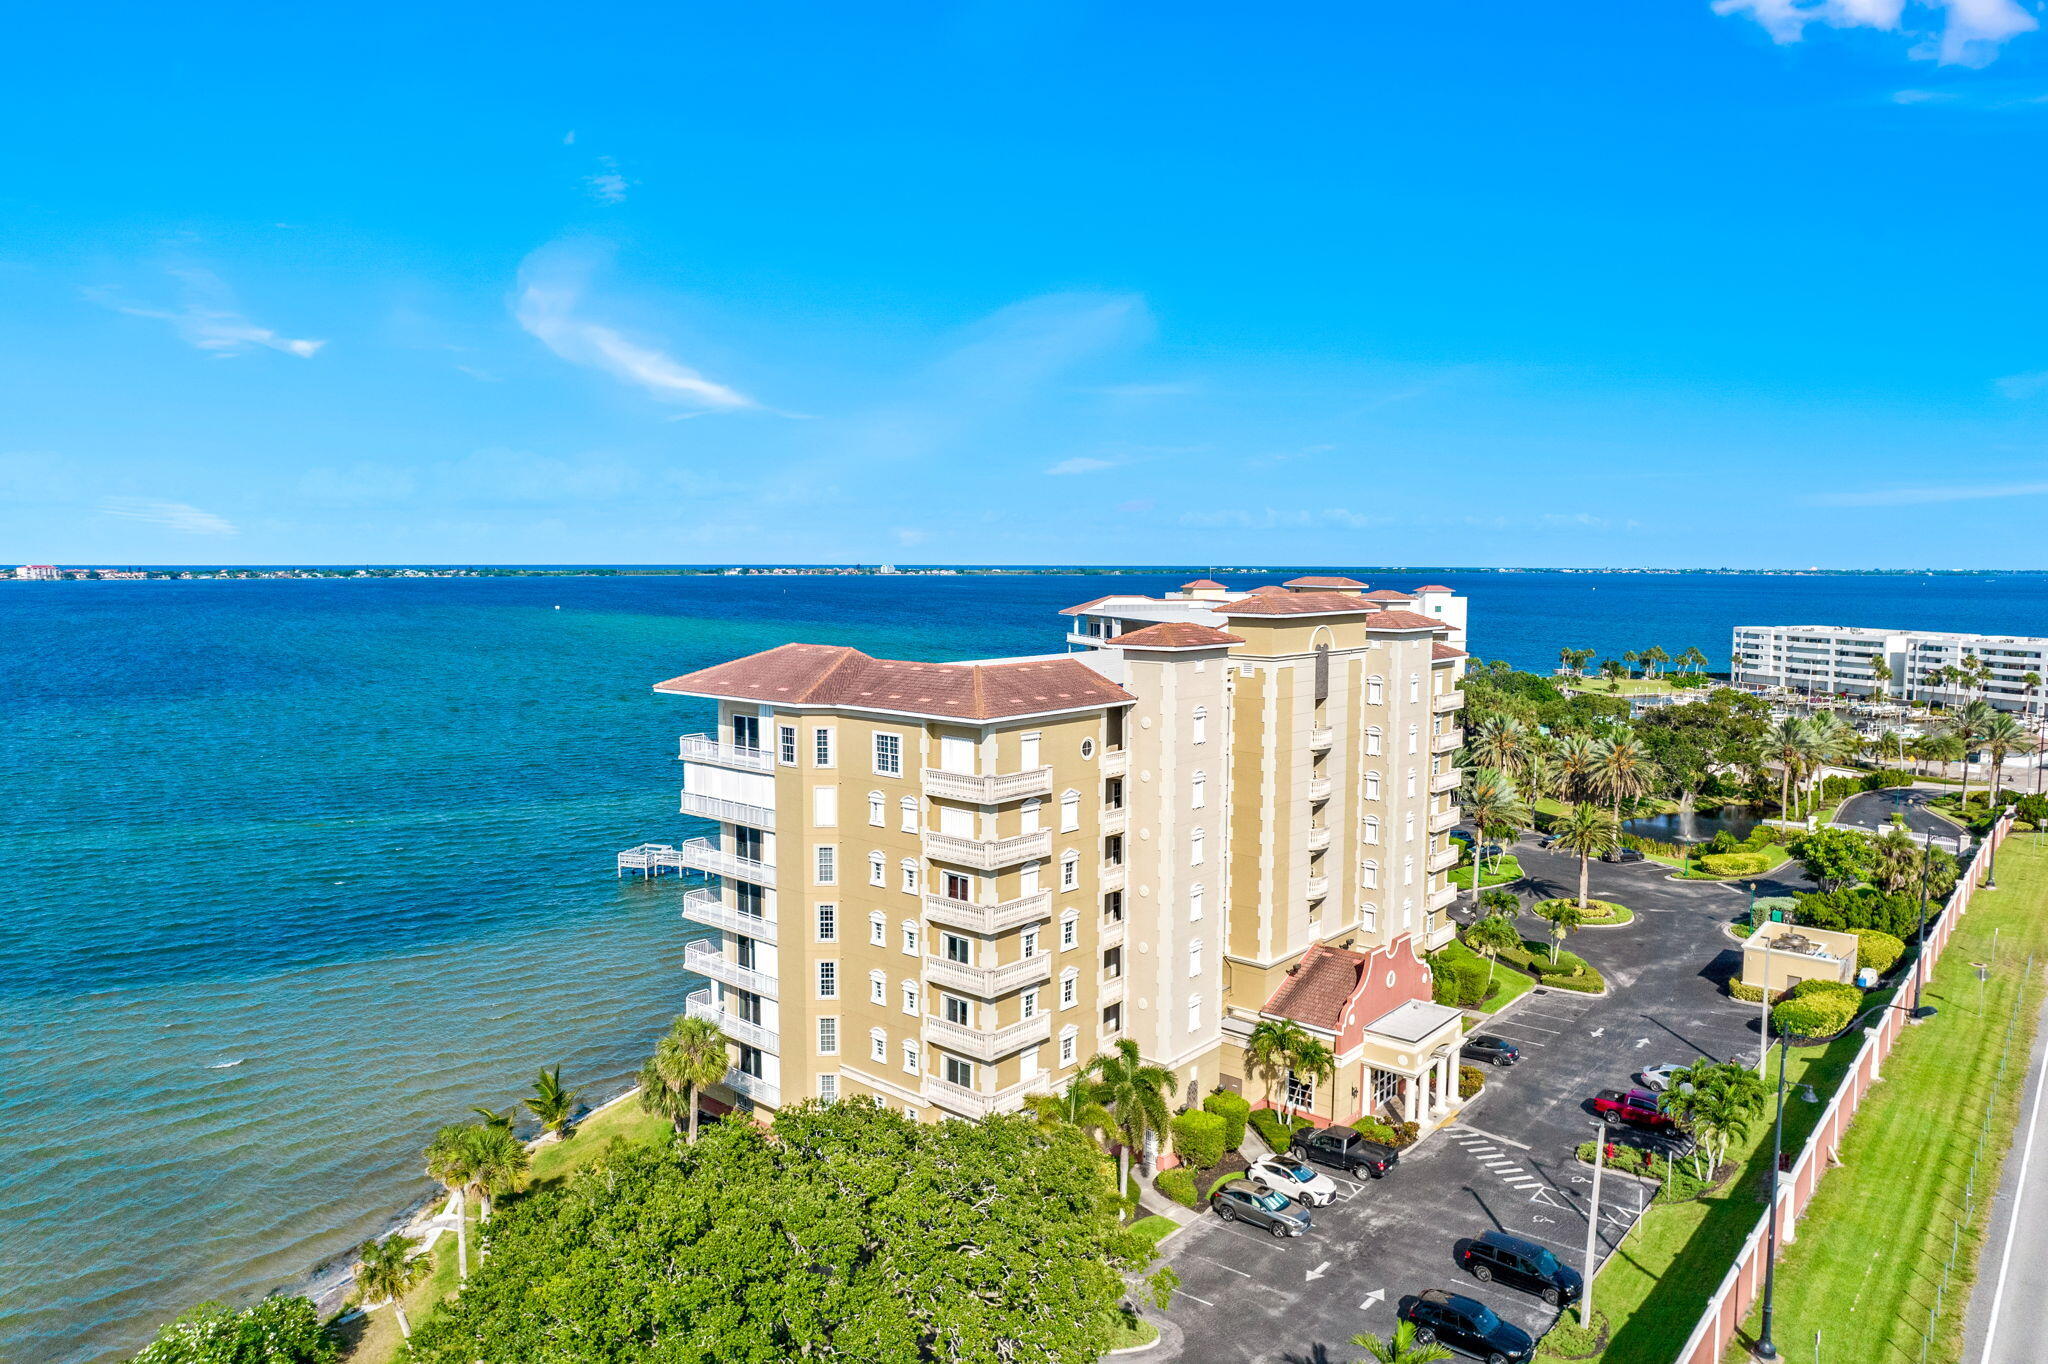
pixel 1198 791
pixel 1414 686
pixel 1372 786
pixel 1070 811
pixel 1195 895
pixel 878 869
pixel 1195 957
pixel 875 808
pixel 1372 740
pixel 1375 690
pixel 1369 875
pixel 1196 842
pixel 1372 828
pixel 1414 737
pixel 1411 781
pixel 1408 825
pixel 1070 870
pixel 909 866
pixel 1408 871
pixel 908 807
pixel 1198 725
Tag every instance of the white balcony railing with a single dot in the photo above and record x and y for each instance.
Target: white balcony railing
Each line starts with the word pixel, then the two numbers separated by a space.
pixel 705 907
pixel 1110 876
pixel 970 1103
pixel 701 1005
pixel 1447 741
pixel 1444 859
pixel 1445 819
pixel 987 854
pixel 1116 762
pixel 705 748
pixel 1446 700
pixel 701 854
pixel 1444 781
pixel 1109 990
pixel 1443 899
pixel 1318 837
pixel 1319 788
pixel 1322 737
pixel 1116 821
pixel 706 960
pixel 988 1044
pixel 1111 933
pixel 989 981
pixel 990 790
pixel 753 1087
pixel 728 811
pixel 1025 909
pixel 1318 887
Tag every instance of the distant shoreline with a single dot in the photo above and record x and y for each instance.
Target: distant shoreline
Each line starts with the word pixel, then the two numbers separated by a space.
pixel 358 573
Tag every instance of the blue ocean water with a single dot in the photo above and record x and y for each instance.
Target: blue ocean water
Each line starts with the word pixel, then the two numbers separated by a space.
pixel 293 872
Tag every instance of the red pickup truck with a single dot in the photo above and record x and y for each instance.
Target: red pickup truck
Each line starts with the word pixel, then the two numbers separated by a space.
pixel 1637 1106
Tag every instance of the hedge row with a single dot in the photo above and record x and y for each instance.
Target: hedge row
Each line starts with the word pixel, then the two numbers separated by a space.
pixel 1234 1109
pixel 1198 1137
pixel 1816 1008
pixel 1177 1184
pixel 1275 1132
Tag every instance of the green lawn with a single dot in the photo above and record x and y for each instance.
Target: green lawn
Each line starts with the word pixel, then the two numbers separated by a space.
pixel 1629 686
pixel 1499 871
pixel 1512 984
pixel 1155 1228
pixel 1879 1232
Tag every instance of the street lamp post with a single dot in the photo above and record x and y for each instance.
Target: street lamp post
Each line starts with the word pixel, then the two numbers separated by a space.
pixel 1920 934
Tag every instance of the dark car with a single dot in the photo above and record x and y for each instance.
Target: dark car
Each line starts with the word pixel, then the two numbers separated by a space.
pixel 1467 1326
pixel 1247 1202
pixel 1342 1148
pixel 1497 1257
pixel 1622 855
pixel 1638 1106
pixel 1490 1051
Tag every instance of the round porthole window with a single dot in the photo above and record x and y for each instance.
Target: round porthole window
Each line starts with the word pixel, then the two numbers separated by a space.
pixel 1087 748
pixel 1390 980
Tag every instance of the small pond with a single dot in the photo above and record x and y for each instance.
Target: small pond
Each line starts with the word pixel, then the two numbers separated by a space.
pixel 1692 827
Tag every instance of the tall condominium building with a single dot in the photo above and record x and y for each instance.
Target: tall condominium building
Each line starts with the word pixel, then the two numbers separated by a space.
pixel 949 885
pixel 1840 658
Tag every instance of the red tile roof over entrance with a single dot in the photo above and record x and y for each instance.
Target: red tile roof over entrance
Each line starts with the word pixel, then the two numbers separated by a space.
pixel 1177 634
pixel 1322 582
pixel 1443 650
pixel 1280 602
pixel 1433 587
pixel 1317 990
pixel 1389 594
pixel 1402 620
pixel 833 675
pixel 1203 585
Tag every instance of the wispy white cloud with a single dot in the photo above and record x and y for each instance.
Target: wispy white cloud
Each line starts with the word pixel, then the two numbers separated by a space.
pixel 607 184
pixel 178 516
pixel 2020 387
pixel 1956 32
pixel 1913 497
pixel 1081 464
pixel 208 318
pixel 550 306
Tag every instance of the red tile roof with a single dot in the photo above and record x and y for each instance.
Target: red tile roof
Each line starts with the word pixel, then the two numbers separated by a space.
pixel 1317 989
pixel 1403 620
pixel 1279 601
pixel 1443 650
pixel 1175 634
pixel 1323 582
pixel 1433 587
pixel 1389 594
pixel 1203 585
pixel 1268 590
pixel 832 675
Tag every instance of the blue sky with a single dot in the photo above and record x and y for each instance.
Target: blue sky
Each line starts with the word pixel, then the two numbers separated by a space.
pixel 1656 282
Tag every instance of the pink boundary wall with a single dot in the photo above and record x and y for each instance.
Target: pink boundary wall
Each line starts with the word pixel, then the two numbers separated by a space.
pixel 1730 1304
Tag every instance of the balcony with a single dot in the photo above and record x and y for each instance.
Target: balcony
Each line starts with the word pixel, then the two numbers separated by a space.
pixel 1116 762
pixel 1443 899
pixel 700 854
pixel 1318 887
pixel 1322 738
pixel 728 811
pixel 988 919
pixel 707 961
pixel 1111 933
pixel 987 854
pixel 991 790
pixel 984 1044
pixel 1445 819
pixel 705 748
pixel 1116 820
pixel 707 908
pixel 1108 991
pixel 1447 742
pixel 701 1005
pixel 971 1103
pixel 1318 838
pixel 752 1087
pixel 1443 859
pixel 987 982
pixel 1446 700
pixel 1319 788
pixel 1110 877
pixel 1444 781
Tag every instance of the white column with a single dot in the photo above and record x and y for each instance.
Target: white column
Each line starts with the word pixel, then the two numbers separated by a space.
pixel 1412 1108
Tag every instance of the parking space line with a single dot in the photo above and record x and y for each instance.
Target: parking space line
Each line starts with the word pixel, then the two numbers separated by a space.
pixel 1219 1265
pixel 1504 1141
pixel 1183 1293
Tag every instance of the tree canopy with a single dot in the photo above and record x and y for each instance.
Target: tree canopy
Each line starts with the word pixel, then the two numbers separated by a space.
pixel 844 1230
pixel 283 1330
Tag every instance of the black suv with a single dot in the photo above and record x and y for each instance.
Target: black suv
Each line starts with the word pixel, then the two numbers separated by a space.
pixel 1499 1257
pixel 1622 855
pixel 1467 1326
pixel 1492 1051
pixel 1342 1148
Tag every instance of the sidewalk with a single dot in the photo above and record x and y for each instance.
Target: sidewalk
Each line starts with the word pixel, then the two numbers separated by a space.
pixel 2008 1317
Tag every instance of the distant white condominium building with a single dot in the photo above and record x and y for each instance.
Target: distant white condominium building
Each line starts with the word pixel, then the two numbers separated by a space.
pixel 1841 658
pixel 39 572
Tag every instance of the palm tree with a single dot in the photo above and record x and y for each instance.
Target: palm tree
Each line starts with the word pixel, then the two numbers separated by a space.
pixel 1580 658
pixel 1588 831
pixel 1499 741
pixel 1940 748
pixel 2031 683
pixel 689 1057
pixel 1315 1061
pixel 1576 760
pixel 552 1104
pixel 1790 744
pixel 2003 735
pixel 1692 659
pixel 491 1117
pixel 1496 809
pixel 1654 658
pixel 1564 659
pixel 1968 725
pixel 1073 1107
pixel 448 1165
pixel 1564 917
pixel 1833 741
pixel 1271 1048
pixel 1489 937
pixel 1400 1348
pixel 1896 860
pixel 1622 770
pixel 1880 674
pixel 1715 1102
pixel 1135 1096
pixel 1632 657
pixel 497 1162
pixel 388 1270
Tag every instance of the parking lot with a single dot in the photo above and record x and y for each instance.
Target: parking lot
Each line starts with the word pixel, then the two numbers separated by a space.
pixel 1507 1163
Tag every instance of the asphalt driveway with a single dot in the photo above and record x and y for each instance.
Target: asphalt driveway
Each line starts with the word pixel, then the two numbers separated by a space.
pixel 1873 812
pixel 1509 1161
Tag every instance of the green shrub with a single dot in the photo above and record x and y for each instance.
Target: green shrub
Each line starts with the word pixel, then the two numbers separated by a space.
pixel 1863 907
pixel 1723 842
pixel 1816 1012
pixel 1748 994
pixel 1471 1079
pixel 1234 1109
pixel 1273 1131
pixel 1217 1185
pixel 1736 863
pixel 1177 1184
pixel 1878 951
pixel 1459 982
pixel 1198 1137
pixel 1766 905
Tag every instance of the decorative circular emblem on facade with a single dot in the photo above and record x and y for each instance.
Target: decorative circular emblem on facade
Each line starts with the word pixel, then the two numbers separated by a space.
pixel 1144 722
pixel 1087 748
pixel 1145 891
pixel 1390 980
pixel 1402 1058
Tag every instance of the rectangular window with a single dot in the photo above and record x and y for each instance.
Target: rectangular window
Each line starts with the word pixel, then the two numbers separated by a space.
pixel 828 1087
pixel 828 980
pixel 956 949
pixel 1070 873
pixel 824 806
pixel 878 988
pixel 878 929
pixel 1069 990
pixel 910 1057
pixel 828 1037
pixel 828 923
pixel 1195 905
pixel 959 1072
pixel 910 878
pixel 785 744
pixel 1070 932
pixel 958 887
pixel 1301 1093
pixel 746 732
pixel 910 940
pixel 910 996
pixel 827 864
pixel 889 755
pixel 821 747
pixel 878 1046
pixel 1067 1049
pixel 955 1011
pixel 1029 1002
pixel 1028 940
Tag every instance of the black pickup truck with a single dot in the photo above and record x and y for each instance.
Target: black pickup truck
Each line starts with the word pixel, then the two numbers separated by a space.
pixel 1342 1148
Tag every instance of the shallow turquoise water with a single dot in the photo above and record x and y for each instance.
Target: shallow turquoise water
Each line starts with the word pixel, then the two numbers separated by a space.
pixel 293 872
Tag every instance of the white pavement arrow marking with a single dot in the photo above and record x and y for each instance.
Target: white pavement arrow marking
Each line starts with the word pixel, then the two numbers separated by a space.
pixel 1317 1272
pixel 1597 1031
pixel 1642 1042
pixel 1377 1295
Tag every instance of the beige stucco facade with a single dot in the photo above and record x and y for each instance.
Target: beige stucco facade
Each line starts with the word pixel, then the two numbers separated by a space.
pixel 1779 956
